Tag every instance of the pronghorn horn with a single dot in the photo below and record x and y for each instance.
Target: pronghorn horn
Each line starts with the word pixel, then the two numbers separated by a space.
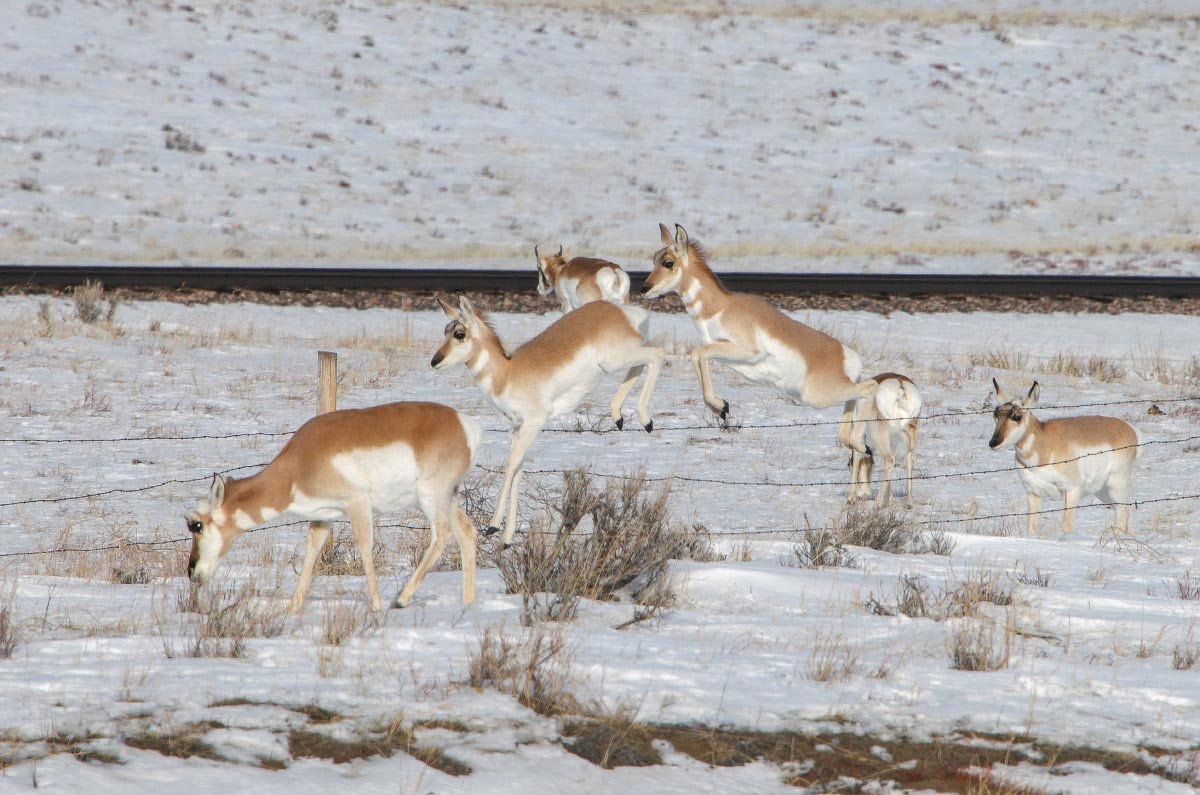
pixel 536 254
pixel 559 250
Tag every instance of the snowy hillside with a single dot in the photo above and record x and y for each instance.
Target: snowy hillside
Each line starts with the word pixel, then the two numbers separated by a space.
pixel 1028 137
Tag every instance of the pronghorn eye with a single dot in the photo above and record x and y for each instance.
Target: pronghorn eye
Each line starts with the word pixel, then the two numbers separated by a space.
pixel 195 526
pixel 668 264
pixel 1016 416
pixel 460 335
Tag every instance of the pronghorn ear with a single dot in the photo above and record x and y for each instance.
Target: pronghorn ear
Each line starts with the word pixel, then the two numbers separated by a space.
pixel 448 308
pixel 665 234
pixel 1001 398
pixel 216 492
pixel 1031 399
pixel 681 238
pixel 466 309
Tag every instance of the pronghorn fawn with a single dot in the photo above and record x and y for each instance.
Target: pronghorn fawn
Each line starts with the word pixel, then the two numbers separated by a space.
pixel 550 374
pixel 890 415
pixel 1067 458
pixel 756 339
pixel 580 280
pixel 351 464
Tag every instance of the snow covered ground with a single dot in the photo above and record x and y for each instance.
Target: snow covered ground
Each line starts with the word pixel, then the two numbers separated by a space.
pixel 1096 629
pixel 883 136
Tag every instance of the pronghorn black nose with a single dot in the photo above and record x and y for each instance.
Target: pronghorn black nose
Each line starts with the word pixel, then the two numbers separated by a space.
pixel 436 360
pixel 995 442
pixel 645 288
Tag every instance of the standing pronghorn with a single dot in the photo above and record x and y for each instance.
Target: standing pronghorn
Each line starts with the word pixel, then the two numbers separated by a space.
pixel 1067 458
pixel 581 280
pixel 891 413
pixel 756 339
pixel 550 374
pixel 349 464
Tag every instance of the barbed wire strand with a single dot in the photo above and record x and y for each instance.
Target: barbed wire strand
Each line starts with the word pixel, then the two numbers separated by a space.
pixel 667 428
pixel 732 532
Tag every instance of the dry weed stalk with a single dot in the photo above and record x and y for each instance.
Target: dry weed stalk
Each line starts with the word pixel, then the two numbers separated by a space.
pixel 536 668
pixel 599 544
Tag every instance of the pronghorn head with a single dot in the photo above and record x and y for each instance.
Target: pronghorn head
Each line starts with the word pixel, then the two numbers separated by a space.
pixel 1012 416
pixel 549 266
pixel 462 334
pixel 670 263
pixel 213 530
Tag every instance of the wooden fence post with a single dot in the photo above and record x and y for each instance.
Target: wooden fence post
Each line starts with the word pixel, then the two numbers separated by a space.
pixel 327 381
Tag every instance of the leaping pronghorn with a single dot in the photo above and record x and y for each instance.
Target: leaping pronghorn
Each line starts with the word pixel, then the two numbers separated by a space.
pixel 350 464
pixel 581 280
pixel 1066 458
pixel 888 415
pixel 550 374
pixel 756 339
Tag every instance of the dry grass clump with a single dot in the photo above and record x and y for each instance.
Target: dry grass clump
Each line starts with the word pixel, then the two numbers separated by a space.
pixel 1187 586
pixel 91 305
pixel 612 738
pixel 536 668
pixel 915 598
pixel 342 620
pixel 818 548
pixel 832 658
pixel 10 632
pixel 118 558
pixel 599 544
pixel 1098 368
pixel 340 558
pixel 182 743
pixel 979 644
pixel 220 621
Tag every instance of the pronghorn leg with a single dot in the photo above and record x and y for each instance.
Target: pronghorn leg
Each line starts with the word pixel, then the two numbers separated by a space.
pixel 439 520
pixel 911 432
pixel 1118 493
pixel 1070 500
pixel 464 533
pixel 318 532
pixel 655 357
pixel 885 488
pixel 1035 505
pixel 521 440
pixel 364 538
pixel 614 408
pixel 721 351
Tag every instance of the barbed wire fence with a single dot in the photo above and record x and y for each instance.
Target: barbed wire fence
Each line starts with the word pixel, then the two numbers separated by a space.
pixel 778 484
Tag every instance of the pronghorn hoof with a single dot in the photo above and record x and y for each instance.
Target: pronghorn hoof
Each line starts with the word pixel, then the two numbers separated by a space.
pixel 491 530
pixel 724 409
pixel 620 423
pixel 650 426
pixel 505 546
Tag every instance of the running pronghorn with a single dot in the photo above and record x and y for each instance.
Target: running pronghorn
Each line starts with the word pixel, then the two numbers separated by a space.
pixel 581 280
pixel 550 374
pixel 350 464
pixel 756 339
pixel 1067 458
pixel 889 415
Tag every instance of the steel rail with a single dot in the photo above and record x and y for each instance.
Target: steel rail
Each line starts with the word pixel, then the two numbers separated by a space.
pixel 268 279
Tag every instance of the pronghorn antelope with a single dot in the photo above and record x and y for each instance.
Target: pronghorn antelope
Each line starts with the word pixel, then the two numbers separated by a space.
pixel 550 374
pixel 756 339
pixel 350 464
pixel 1067 458
pixel 890 414
pixel 581 280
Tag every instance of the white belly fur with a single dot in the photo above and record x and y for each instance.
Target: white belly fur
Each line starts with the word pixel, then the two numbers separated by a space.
pixel 1051 482
pixel 387 476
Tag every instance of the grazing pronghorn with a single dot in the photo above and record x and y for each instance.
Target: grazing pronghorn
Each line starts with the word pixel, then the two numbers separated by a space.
pixel 550 374
pixel 892 413
pixel 350 464
pixel 756 339
pixel 581 280
pixel 1067 458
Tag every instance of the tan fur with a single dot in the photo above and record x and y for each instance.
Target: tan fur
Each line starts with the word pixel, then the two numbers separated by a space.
pixel 555 272
pixel 303 468
pixel 550 374
pixel 880 435
pixel 1073 456
pixel 733 325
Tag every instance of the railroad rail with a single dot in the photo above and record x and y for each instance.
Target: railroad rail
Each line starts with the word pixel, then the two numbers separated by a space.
pixel 270 279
